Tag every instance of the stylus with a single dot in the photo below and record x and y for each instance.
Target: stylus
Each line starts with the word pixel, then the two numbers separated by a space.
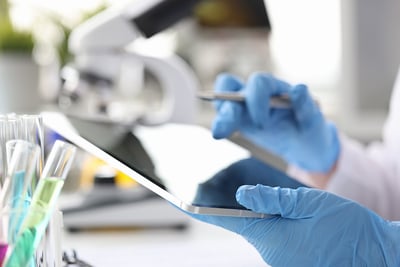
pixel 281 101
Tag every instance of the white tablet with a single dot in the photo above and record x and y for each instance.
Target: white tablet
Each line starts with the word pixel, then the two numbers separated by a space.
pixel 178 162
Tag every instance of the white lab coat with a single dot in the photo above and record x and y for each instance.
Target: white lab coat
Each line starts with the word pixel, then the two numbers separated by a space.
pixel 370 174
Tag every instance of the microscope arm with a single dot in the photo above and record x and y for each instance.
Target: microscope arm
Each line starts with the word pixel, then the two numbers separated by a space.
pixel 100 48
pixel 117 27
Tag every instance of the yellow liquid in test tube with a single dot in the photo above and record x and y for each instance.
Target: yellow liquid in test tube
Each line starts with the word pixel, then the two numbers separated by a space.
pixel 46 195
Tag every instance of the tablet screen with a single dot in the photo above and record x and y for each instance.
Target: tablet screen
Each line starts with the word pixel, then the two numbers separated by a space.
pixel 185 160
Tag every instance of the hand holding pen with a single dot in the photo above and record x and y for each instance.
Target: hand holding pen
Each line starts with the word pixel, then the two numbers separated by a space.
pixel 278 117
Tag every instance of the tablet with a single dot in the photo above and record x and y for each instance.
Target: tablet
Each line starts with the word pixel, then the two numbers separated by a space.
pixel 181 163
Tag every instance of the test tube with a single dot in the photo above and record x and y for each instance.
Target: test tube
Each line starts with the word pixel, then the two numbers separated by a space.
pixel 3 158
pixel 25 127
pixel 33 132
pixel 43 202
pixel 22 158
pixel 10 126
pixel 9 129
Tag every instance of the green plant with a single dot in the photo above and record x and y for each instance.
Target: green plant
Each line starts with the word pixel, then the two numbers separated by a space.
pixel 12 39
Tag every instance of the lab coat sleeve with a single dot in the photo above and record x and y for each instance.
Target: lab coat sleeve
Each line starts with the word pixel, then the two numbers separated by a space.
pixel 369 174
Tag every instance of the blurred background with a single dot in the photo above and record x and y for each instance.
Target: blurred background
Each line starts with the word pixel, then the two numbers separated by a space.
pixel 347 52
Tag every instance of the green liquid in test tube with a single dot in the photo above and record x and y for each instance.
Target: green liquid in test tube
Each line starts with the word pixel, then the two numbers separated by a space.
pixel 42 204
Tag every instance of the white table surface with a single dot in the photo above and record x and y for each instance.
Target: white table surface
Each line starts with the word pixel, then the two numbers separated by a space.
pixel 199 245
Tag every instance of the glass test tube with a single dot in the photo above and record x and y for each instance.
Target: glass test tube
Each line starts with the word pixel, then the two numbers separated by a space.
pixel 25 127
pixel 13 126
pixel 10 126
pixel 22 158
pixel 9 129
pixel 33 132
pixel 43 201
pixel 3 158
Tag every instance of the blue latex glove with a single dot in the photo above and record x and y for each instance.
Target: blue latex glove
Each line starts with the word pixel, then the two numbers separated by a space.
pixel 315 228
pixel 299 135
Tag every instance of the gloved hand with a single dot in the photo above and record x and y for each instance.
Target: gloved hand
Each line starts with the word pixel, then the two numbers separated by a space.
pixel 299 135
pixel 315 228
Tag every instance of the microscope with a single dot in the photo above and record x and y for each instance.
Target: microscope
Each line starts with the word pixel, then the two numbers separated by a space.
pixel 93 89
pixel 96 102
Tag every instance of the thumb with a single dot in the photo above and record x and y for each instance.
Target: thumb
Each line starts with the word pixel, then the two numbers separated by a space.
pixel 289 203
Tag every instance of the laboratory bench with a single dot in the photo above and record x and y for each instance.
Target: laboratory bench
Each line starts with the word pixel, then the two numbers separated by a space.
pixel 199 244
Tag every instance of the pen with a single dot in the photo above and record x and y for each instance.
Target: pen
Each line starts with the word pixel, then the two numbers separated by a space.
pixel 281 101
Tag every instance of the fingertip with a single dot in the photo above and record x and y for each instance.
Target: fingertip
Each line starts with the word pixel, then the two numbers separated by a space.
pixel 246 194
pixel 299 94
pixel 221 129
pixel 227 82
pixel 261 198
pixel 243 190
pixel 271 84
